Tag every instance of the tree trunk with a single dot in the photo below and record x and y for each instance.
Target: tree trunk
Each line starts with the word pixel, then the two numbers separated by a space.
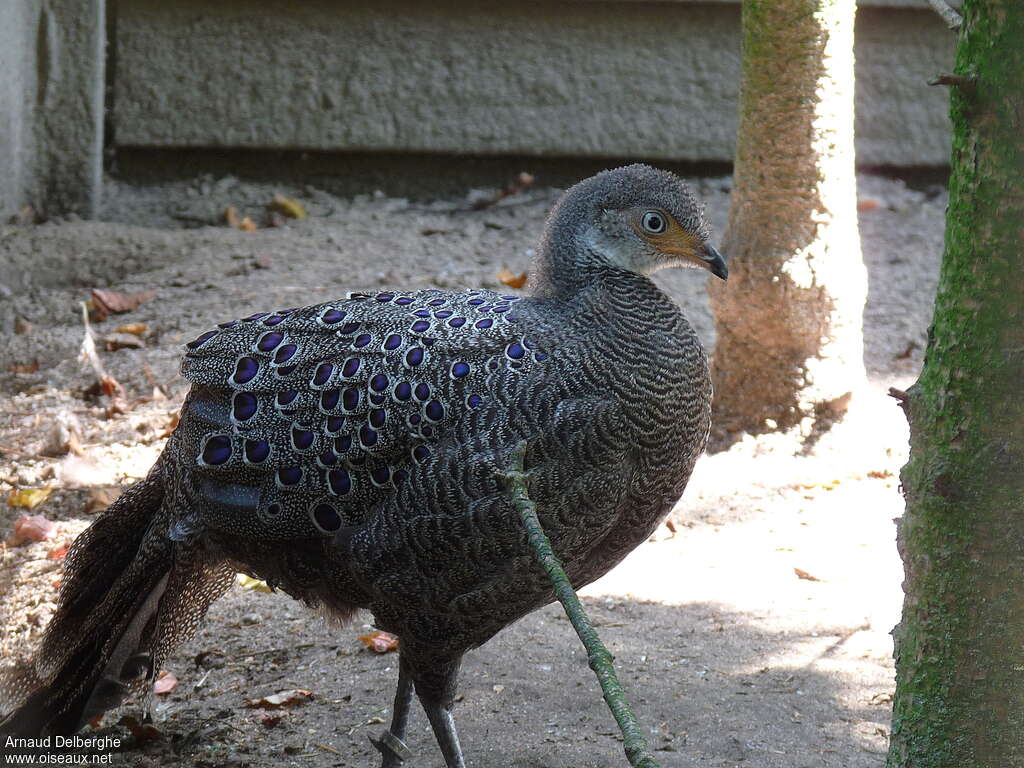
pixel 960 645
pixel 790 350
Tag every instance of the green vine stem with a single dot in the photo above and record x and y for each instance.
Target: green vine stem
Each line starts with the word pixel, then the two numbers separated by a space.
pixel 601 661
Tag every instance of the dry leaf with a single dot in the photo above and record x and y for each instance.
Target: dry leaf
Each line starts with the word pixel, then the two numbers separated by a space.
pixel 266 719
pixel 115 341
pixel 514 187
pixel 282 699
pixel 291 208
pixel 867 204
pixel 29 498
pixel 135 329
pixel 58 552
pixel 111 387
pixel 165 683
pixel 231 217
pixel 247 225
pixel 107 303
pixel 171 425
pixel 29 528
pixel 23 367
pixel 511 279
pixel 802 574
pixel 141 732
pixel 380 642
pixel 248 582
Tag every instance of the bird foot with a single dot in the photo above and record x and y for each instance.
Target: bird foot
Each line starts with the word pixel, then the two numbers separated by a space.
pixel 393 749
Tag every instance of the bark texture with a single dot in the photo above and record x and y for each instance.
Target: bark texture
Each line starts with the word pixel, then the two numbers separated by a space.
pixel 960 645
pixel 788 322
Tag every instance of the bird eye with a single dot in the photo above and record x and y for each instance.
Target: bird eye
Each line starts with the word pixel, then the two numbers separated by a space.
pixel 653 222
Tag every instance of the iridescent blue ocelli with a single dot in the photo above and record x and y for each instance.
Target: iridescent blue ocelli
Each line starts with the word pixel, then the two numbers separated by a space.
pixel 326 517
pixel 217 450
pixel 245 370
pixel 285 353
pixel 201 339
pixel 243 406
pixel 339 481
pixel 256 451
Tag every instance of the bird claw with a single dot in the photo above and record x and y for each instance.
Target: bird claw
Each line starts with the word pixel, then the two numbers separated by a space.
pixel 392 747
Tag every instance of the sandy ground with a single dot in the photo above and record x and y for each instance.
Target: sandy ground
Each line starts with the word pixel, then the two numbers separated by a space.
pixel 756 635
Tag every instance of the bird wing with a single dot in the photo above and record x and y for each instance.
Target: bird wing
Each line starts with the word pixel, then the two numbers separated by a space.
pixel 300 421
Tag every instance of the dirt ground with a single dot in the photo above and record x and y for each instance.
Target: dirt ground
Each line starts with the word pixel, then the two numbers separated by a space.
pixel 756 635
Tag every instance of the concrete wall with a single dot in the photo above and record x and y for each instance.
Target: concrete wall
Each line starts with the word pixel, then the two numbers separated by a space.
pixel 52 56
pixel 615 78
pixel 15 85
pixel 645 79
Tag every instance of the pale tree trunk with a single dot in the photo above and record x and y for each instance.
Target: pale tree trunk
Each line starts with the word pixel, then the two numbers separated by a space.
pixel 790 350
pixel 960 645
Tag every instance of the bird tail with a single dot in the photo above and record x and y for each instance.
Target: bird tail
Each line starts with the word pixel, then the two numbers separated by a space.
pixel 128 595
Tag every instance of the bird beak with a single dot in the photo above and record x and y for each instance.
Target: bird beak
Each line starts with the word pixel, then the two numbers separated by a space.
pixel 714 261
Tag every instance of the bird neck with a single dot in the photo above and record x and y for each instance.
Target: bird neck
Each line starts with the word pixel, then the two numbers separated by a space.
pixel 565 263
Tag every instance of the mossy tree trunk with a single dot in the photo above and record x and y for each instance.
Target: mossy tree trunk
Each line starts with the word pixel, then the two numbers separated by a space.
pixel 790 350
pixel 960 645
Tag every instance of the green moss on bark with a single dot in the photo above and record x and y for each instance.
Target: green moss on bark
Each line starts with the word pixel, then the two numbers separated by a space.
pixel 960 646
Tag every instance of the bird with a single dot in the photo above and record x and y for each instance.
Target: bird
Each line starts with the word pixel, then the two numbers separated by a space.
pixel 353 453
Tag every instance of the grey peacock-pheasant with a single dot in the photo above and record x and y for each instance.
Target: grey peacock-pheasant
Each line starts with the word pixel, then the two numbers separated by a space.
pixel 351 454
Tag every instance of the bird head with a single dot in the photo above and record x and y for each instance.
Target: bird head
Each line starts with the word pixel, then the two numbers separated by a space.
pixel 636 218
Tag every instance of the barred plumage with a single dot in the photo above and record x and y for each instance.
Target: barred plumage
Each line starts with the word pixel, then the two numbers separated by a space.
pixel 351 454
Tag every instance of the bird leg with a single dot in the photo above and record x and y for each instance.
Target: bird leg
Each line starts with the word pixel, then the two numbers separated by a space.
pixel 441 720
pixel 436 691
pixel 390 743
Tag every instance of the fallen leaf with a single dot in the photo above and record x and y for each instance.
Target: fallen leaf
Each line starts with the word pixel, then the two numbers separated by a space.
pixel 111 387
pixel 380 642
pixel 514 187
pixel 247 225
pixel 867 204
pixel 291 208
pixel 115 341
pixel 266 719
pixel 248 582
pixel 135 329
pixel 29 498
pixel 802 574
pixel 141 732
pixel 23 367
pixel 282 699
pixel 511 279
pixel 879 474
pixel 106 303
pixel 231 217
pixel 171 425
pixel 497 688
pixel 29 528
pixel 165 683
pixel 58 552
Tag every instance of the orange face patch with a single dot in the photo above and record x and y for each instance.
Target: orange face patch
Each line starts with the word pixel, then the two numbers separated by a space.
pixel 674 241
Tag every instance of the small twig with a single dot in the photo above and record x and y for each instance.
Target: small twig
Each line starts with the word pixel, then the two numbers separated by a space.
pixel 601 661
pixel 22 455
pixel 902 399
pixel 968 85
pixel 948 13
